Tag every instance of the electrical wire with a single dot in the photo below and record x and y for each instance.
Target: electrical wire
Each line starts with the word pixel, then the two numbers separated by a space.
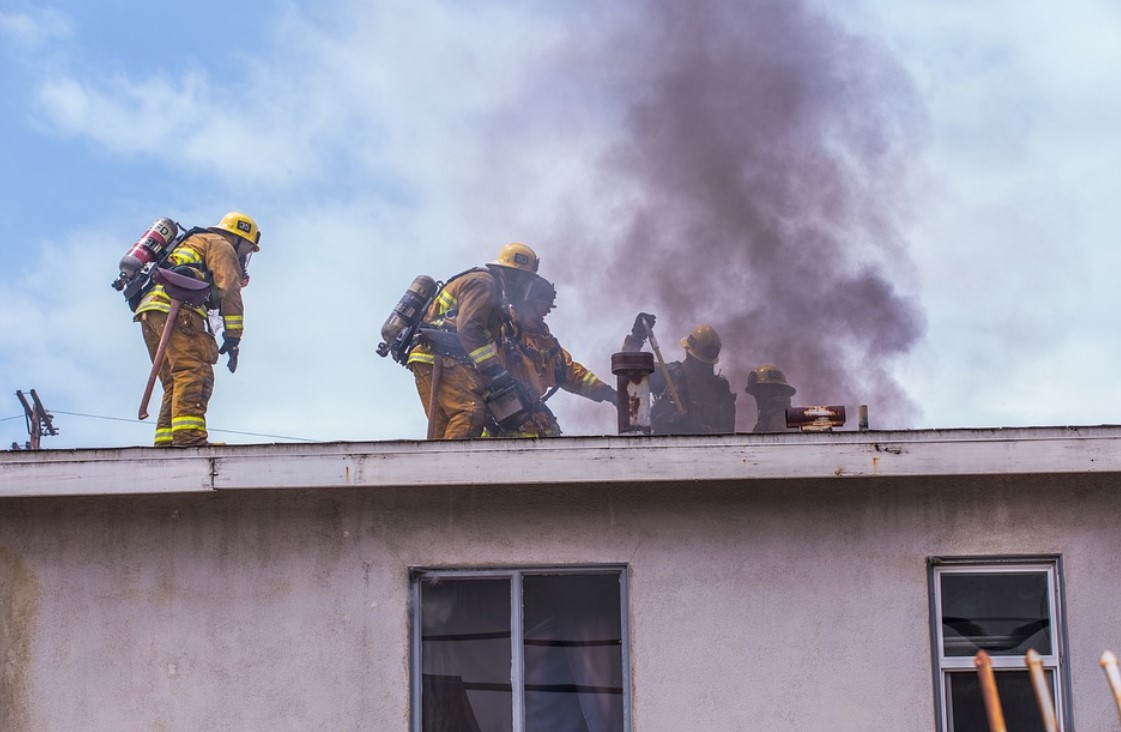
pixel 209 429
pixel 8 419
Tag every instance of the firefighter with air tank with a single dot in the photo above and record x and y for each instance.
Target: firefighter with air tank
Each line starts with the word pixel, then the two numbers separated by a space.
pixel 453 352
pixel 171 282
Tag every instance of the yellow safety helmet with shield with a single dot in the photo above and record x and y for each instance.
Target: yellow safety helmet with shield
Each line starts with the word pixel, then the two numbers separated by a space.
pixel 517 256
pixel 242 225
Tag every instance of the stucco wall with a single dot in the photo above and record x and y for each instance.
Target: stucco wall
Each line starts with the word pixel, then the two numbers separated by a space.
pixel 766 605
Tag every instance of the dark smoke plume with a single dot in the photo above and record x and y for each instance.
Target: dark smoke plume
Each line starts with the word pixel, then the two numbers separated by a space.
pixel 768 151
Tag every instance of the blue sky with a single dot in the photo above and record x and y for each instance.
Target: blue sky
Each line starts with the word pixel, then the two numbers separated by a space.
pixel 375 141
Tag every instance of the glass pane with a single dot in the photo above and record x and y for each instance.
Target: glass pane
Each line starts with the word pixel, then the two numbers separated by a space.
pixel 573 653
pixel 1005 614
pixel 465 655
pixel 1017 700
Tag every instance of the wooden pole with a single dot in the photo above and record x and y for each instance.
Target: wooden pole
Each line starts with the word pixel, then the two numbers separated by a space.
pixel 157 360
pixel 1108 662
pixel 32 414
pixel 989 693
pixel 434 395
pixel 665 370
pixel 1042 691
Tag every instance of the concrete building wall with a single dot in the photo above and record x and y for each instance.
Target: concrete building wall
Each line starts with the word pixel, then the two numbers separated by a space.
pixel 777 604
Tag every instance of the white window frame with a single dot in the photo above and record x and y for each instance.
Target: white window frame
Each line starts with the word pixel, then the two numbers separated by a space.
pixel 1054 662
pixel 515 575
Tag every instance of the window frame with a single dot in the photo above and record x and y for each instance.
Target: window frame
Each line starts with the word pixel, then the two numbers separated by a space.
pixel 1057 662
pixel 517 671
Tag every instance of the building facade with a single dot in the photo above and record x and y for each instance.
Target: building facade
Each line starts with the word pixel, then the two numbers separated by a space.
pixel 837 581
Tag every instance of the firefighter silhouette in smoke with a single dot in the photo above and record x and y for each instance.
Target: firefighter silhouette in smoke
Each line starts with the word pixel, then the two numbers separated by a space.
pixel 772 396
pixel 695 400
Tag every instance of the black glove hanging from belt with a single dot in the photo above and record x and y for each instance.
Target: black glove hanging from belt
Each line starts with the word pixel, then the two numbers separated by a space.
pixel 230 345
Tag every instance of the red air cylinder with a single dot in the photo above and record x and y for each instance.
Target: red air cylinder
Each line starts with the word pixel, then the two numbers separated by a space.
pixel 148 247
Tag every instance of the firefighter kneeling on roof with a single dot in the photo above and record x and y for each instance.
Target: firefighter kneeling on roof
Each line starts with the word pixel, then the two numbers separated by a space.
pixel 455 360
pixel 536 358
pixel 219 255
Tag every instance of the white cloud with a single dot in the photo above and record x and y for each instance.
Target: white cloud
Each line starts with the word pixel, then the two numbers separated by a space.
pixel 34 27
pixel 186 122
pixel 394 91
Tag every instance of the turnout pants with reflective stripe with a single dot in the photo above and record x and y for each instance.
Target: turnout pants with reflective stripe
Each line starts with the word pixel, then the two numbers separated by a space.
pixel 187 376
pixel 460 409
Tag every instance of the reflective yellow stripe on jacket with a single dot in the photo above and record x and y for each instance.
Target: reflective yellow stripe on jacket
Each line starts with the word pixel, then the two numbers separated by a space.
pixel 470 306
pixel 444 303
pixel 481 356
pixel 157 299
pixel 233 325
pixel 214 254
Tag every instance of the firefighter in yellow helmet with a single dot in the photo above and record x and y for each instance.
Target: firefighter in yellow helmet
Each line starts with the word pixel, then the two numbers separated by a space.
pixel 462 328
pixel 704 402
pixel 772 396
pixel 535 357
pixel 220 256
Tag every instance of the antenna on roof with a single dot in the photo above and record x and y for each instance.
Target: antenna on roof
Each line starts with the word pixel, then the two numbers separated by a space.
pixel 38 420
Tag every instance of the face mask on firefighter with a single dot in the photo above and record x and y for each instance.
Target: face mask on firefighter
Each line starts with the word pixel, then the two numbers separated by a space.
pixel 539 298
pixel 516 285
pixel 243 259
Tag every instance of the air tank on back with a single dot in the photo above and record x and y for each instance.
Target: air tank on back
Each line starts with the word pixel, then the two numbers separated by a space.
pixel 408 310
pixel 146 250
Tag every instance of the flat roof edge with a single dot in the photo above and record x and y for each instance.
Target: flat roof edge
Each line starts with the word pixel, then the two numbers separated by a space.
pixel 575 460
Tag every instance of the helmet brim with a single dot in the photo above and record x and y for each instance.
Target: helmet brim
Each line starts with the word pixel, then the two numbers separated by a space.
pixel 703 359
pixel 762 387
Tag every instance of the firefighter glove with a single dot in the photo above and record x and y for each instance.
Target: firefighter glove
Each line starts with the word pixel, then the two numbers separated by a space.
pixel 230 345
pixel 642 323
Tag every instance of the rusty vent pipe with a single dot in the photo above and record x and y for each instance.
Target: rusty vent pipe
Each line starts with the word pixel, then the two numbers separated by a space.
pixel 632 370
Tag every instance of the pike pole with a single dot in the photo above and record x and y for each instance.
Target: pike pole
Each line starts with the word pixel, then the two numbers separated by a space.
pixel 158 359
pixel 665 370
pixel 989 693
pixel 434 394
pixel 1109 665
pixel 1042 691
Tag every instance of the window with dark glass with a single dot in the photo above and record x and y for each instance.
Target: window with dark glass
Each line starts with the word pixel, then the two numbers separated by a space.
pixel 1005 608
pixel 520 651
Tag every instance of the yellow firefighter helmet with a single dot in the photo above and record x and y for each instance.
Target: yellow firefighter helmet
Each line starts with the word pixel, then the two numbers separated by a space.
pixel 763 378
pixel 703 344
pixel 242 225
pixel 517 256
